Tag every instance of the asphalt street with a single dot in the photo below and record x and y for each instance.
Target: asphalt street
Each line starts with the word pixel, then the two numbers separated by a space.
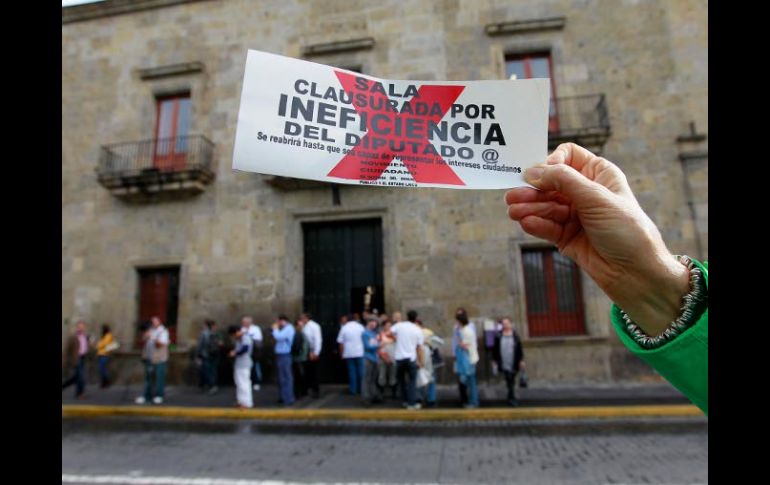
pixel 241 455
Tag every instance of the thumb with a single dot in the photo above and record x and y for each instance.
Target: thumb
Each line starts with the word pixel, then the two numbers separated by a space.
pixel 565 179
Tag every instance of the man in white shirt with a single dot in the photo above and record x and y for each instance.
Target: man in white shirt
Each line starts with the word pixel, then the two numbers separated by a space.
pixel 312 331
pixel 255 333
pixel 409 340
pixel 351 343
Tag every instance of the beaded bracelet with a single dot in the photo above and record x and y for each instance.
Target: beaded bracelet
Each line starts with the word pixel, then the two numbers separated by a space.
pixel 693 304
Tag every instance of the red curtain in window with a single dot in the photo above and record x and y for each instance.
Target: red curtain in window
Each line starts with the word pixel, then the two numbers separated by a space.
pixel 554 296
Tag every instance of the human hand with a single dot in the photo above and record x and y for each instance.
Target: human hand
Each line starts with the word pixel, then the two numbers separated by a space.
pixel 232 353
pixel 586 208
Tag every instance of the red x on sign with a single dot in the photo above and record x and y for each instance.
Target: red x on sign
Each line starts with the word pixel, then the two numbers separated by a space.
pixel 433 170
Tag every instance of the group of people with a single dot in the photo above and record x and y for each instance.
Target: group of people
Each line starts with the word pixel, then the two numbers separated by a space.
pixel 507 355
pixel 297 350
pixel 78 348
pixel 383 356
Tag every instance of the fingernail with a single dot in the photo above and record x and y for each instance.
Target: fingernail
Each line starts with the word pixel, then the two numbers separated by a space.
pixel 533 174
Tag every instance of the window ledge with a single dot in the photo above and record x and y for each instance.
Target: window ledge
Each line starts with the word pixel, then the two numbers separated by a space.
pixel 108 8
pixel 566 340
pixel 339 46
pixel 525 26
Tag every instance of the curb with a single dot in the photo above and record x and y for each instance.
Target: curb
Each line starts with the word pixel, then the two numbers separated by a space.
pixel 427 415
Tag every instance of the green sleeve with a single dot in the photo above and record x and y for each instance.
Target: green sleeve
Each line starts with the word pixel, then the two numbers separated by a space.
pixel 682 361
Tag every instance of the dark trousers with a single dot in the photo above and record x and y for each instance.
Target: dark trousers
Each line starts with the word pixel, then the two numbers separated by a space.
pixel 311 376
pixel 78 377
pixel 510 381
pixel 300 385
pixel 406 367
pixel 154 374
pixel 285 380
pixel 256 371
pixel 463 389
pixel 370 390
pixel 103 374
pixel 209 372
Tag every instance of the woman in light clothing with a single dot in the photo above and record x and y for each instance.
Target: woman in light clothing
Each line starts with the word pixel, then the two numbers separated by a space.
pixel 103 349
pixel 466 357
pixel 242 366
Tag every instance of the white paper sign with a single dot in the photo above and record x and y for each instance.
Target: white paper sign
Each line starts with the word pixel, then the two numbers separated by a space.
pixel 306 120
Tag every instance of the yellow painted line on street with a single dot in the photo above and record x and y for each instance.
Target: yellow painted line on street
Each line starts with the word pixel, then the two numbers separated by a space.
pixel 571 412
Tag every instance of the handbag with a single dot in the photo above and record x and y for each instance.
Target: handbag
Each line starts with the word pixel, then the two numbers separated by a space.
pixel 423 377
pixel 112 346
pixel 523 379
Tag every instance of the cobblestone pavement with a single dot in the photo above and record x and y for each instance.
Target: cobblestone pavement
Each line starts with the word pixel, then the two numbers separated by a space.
pixel 185 457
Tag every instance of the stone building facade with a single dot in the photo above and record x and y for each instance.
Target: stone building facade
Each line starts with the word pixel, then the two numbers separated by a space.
pixel 199 240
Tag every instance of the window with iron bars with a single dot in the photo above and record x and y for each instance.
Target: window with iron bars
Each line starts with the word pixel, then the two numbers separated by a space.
pixel 553 292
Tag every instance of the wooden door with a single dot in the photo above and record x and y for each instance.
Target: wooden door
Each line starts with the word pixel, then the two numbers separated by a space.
pixel 158 296
pixel 343 263
pixel 173 120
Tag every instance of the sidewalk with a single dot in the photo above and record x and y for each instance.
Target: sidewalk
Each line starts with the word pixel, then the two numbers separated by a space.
pixel 334 404
pixel 335 396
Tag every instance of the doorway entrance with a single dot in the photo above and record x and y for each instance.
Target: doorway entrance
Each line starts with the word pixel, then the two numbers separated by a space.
pixel 343 274
pixel 158 296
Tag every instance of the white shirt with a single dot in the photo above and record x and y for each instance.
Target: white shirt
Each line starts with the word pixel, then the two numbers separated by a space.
pixel 312 332
pixel 243 361
pixel 408 337
pixel 159 334
pixel 350 337
pixel 469 338
pixel 255 333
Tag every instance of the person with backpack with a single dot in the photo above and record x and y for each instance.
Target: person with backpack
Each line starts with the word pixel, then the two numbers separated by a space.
pixel 299 355
pixel 210 345
pixel 283 333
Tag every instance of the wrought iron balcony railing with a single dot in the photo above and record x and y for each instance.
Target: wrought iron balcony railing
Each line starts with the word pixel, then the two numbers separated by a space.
pixel 580 119
pixel 166 165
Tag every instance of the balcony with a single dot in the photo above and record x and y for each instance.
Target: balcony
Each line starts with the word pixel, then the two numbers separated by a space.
pixel 580 119
pixel 159 168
